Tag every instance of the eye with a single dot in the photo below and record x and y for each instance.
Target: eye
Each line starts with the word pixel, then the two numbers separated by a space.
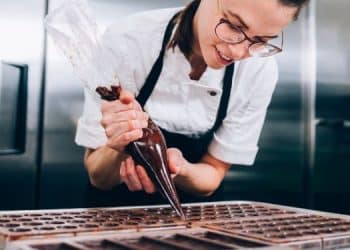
pixel 235 27
pixel 261 40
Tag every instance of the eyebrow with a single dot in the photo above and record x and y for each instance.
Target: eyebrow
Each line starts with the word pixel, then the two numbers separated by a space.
pixel 239 19
pixel 246 26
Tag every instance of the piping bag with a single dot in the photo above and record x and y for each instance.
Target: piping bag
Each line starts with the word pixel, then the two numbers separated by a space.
pixel 75 32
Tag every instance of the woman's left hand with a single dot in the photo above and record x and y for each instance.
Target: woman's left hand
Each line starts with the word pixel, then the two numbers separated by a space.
pixel 137 179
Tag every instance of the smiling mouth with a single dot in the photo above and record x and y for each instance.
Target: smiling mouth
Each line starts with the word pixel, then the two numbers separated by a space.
pixel 225 58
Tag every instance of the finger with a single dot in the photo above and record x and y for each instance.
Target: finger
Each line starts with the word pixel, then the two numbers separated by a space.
pixel 131 175
pixel 120 128
pixel 115 107
pixel 136 105
pixel 177 162
pixel 126 97
pixel 146 182
pixel 124 176
pixel 173 160
pixel 125 116
pixel 122 172
pixel 124 139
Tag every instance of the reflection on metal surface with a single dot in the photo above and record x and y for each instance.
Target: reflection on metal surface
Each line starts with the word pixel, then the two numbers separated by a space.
pixel 332 106
pixel 333 59
pixel 22 43
pixel 308 85
pixel 13 108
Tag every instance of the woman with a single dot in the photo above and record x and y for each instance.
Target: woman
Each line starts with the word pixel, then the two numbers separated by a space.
pixel 204 74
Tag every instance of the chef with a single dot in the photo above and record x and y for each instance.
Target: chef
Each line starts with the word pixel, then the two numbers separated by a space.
pixel 205 74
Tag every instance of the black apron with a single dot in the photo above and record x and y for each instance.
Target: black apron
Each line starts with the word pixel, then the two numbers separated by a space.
pixel 193 148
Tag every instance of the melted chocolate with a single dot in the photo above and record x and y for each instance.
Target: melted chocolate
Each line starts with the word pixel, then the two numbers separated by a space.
pixel 150 152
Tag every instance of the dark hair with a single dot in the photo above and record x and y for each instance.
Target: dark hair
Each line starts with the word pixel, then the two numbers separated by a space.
pixel 183 36
pixel 295 3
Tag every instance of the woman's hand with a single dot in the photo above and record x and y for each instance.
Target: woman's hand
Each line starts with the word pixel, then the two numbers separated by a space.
pixel 137 179
pixel 123 121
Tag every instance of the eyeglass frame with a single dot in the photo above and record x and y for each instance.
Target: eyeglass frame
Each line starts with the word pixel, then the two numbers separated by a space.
pixel 246 37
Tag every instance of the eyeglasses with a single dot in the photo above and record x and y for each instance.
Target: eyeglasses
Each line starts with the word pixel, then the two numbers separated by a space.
pixel 231 34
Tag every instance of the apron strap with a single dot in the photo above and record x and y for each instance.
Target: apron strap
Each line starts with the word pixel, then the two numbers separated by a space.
pixel 225 98
pixel 153 76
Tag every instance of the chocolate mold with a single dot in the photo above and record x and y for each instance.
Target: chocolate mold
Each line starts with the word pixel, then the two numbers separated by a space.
pixel 286 229
pixel 257 222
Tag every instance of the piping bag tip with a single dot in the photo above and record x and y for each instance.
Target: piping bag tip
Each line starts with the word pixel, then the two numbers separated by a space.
pixel 181 214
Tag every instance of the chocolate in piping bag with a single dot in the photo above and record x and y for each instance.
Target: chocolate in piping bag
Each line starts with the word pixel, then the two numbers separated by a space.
pixel 150 152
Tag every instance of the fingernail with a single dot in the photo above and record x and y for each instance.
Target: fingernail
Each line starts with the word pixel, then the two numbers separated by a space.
pixel 130 160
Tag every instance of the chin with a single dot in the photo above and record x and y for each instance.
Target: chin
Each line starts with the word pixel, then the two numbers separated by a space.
pixel 215 66
pixel 213 63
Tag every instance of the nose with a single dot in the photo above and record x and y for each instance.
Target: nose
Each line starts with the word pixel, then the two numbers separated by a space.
pixel 240 51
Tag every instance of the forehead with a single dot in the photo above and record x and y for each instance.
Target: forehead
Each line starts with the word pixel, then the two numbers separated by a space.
pixel 261 16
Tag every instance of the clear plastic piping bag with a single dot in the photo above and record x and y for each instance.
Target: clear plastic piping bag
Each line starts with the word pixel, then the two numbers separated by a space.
pixel 74 30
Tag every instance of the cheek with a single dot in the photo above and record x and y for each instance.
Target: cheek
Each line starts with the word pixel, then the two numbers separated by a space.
pixel 208 33
pixel 207 39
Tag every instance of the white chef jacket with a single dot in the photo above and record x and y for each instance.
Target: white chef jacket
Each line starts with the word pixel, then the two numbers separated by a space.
pixel 179 104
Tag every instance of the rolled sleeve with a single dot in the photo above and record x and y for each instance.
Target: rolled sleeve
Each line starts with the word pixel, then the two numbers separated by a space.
pixel 229 153
pixel 90 133
pixel 236 141
pixel 89 136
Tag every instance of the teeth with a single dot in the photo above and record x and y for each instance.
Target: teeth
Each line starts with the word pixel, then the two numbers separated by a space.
pixel 225 57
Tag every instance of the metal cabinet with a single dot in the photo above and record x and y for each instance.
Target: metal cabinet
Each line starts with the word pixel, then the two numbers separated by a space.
pixel 332 158
pixel 21 55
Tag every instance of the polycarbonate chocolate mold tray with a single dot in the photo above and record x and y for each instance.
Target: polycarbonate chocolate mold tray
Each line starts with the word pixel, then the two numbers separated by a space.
pixel 278 230
pixel 186 239
pixel 266 223
pixel 25 224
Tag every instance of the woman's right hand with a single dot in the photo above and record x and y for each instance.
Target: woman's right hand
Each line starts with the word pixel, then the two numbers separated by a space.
pixel 123 120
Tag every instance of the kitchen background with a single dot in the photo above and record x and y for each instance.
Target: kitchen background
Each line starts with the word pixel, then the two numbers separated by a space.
pixel 304 157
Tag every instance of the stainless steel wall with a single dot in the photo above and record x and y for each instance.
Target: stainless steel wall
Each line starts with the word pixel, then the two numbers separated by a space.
pixel 21 44
pixel 332 159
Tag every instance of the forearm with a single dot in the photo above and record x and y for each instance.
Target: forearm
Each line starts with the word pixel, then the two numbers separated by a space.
pixel 199 179
pixel 103 166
